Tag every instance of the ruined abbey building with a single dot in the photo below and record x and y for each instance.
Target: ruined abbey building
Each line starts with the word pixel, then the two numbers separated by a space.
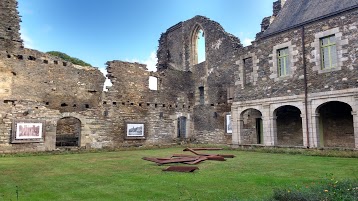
pixel 295 86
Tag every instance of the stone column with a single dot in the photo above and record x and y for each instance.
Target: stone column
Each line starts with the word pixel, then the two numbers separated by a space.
pixel 273 129
pixel 304 130
pixel 235 126
pixel 188 126
pixel 266 126
pixel 355 127
pixel 314 136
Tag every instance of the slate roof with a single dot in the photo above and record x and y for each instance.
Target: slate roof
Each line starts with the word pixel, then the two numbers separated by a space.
pixel 297 12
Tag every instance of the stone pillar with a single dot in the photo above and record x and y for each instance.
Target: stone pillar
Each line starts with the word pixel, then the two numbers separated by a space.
pixel 355 127
pixel 240 122
pixel 273 129
pixel 235 126
pixel 304 130
pixel 266 126
pixel 314 135
pixel 187 128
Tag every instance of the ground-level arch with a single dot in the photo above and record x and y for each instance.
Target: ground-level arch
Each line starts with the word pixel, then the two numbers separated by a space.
pixel 68 132
pixel 288 126
pixel 335 125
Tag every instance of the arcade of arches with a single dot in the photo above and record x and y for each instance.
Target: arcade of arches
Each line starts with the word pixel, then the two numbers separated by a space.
pixel 331 125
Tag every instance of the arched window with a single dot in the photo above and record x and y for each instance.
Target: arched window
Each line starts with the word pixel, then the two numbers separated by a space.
pixel 198 45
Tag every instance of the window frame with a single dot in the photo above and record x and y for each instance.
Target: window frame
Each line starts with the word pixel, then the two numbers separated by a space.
pixel 286 65
pixel 292 59
pixel 331 53
pixel 341 42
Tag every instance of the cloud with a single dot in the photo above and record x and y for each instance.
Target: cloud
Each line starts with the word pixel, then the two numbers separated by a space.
pixel 247 41
pixel 28 42
pixel 108 82
pixel 151 61
pixel 248 37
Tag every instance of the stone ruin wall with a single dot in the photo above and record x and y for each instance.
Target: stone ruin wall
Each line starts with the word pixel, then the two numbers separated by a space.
pixel 38 86
pixel 61 85
pixel 175 54
pixel 9 26
pixel 131 100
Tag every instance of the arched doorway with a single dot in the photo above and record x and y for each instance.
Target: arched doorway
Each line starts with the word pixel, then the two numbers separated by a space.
pixel 335 125
pixel 68 132
pixel 289 126
pixel 251 129
pixel 182 127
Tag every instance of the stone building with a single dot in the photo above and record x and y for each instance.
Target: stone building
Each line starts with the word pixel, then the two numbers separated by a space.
pixel 302 88
pixel 295 86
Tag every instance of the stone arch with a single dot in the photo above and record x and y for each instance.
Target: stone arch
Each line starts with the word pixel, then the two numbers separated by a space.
pixel 335 124
pixel 198 45
pixel 68 132
pixel 251 126
pixel 288 126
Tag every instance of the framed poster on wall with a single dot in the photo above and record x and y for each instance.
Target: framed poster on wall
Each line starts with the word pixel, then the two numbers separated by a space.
pixel 228 124
pixel 135 130
pixel 27 131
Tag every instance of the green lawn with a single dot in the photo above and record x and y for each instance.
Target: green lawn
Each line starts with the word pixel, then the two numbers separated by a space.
pixel 123 175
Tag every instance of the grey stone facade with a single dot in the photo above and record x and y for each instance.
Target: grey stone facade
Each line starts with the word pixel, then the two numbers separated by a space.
pixel 298 109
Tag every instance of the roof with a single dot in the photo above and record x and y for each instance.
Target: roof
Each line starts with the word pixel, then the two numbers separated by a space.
pixel 297 12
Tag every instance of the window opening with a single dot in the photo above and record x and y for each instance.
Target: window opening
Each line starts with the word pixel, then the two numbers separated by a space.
pixel 201 45
pixel 201 95
pixel 328 52
pixel 153 83
pixel 282 62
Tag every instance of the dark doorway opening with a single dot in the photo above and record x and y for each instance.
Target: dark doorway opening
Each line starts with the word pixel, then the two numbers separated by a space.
pixel 259 130
pixel 336 125
pixel 201 95
pixel 252 128
pixel 182 127
pixel 289 126
pixel 68 132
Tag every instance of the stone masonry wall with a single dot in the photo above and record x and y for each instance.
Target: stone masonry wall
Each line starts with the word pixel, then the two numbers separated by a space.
pixel 32 75
pixel 267 84
pixel 270 85
pixel 345 75
pixel 9 26
pixel 130 100
pixel 215 75
pixel 94 126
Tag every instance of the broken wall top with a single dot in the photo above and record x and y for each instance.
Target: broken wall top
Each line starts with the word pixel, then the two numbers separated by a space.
pixel 9 26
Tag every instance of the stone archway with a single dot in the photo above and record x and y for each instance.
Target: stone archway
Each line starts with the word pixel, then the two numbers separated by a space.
pixel 68 132
pixel 335 125
pixel 289 126
pixel 252 128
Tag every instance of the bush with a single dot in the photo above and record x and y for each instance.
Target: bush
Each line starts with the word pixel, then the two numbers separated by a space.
pixel 327 190
pixel 68 58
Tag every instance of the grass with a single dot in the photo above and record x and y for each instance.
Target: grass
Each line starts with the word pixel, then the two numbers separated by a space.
pixel 123 175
